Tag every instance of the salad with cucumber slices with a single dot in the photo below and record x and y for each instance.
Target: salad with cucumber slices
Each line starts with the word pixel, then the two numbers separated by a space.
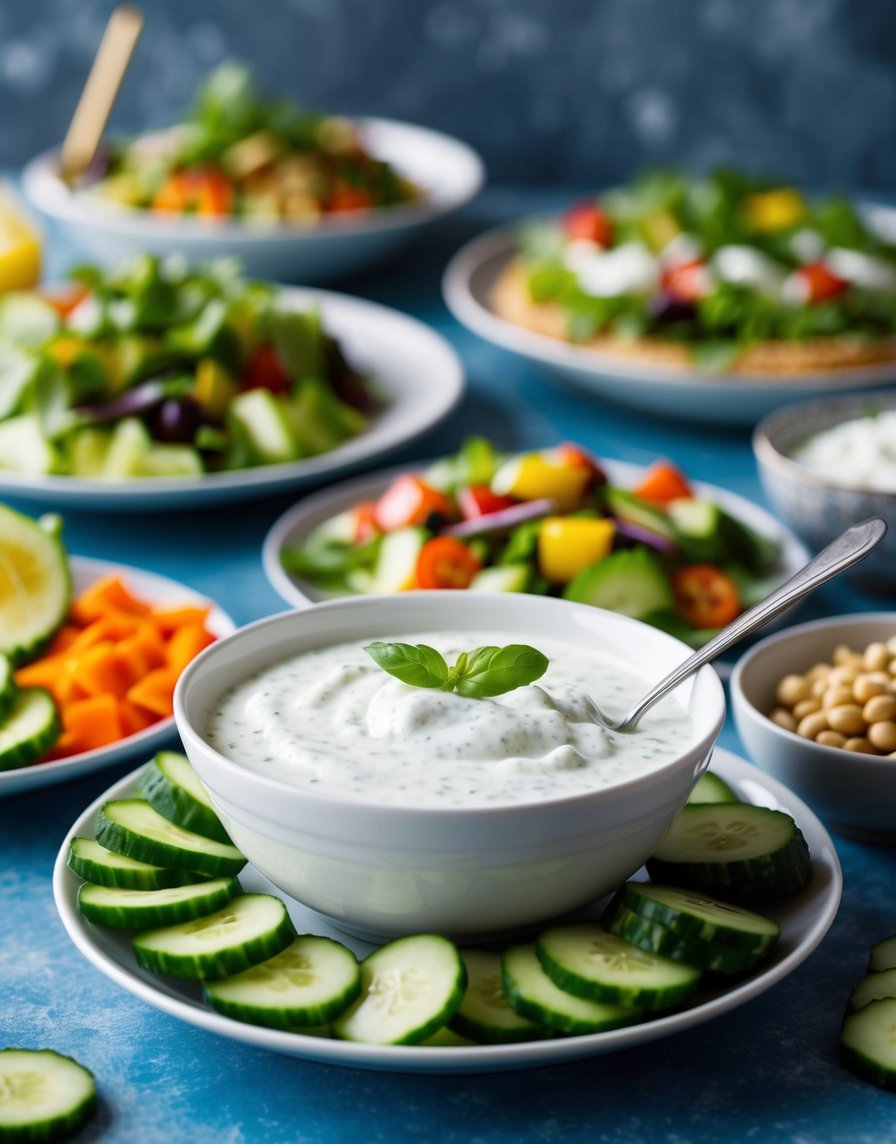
pixel 548 522
pixel 157 370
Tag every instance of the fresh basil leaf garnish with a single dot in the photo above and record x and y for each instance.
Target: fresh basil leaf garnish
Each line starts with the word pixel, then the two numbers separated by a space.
pixel 493 671
pixel 414 664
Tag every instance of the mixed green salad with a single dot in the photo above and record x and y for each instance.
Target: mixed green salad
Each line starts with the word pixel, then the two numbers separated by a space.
pixel 161 370
pixel 718 262
pixel 548 522
pixel 240 153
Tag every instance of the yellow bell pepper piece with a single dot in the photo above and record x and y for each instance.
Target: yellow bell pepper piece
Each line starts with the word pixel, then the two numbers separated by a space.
pixel 20 247
pixel 773 210
pixel 536 475
pixel 566 545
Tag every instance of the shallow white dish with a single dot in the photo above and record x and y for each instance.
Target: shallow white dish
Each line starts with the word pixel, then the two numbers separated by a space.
pixel 804 922
pixel 662 391
pixel 294 526
pixel 448 171
pixel 149 586
pixel 416 371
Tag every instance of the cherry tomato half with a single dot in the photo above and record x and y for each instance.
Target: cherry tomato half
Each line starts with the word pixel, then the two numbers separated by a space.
pixel 445 562
pixel 587 221
pixel 706 596
pixel 408 501
pixel 264 370
pixel 821 282
pixel 204 192
pixel 479 500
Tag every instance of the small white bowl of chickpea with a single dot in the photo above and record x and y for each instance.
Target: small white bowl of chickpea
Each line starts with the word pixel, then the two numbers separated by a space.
pixel 815 706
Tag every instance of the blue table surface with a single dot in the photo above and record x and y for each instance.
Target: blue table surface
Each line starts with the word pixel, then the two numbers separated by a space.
pixel 766 1072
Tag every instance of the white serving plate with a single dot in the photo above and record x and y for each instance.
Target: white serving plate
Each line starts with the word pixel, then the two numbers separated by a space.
pixel 148 586
pixel 417 373
pixel 804 922
pixel 448 171
pixel 662 391
pixel 294 526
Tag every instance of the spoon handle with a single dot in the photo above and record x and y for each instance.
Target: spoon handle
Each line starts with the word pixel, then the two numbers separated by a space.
pixel 849 547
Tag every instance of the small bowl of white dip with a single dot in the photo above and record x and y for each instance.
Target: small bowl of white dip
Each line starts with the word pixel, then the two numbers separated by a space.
pixel 394 809
pixel 825 465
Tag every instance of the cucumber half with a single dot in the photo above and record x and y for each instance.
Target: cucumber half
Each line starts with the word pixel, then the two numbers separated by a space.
pixel 102 867
pixel 43 1095
pixel 29 729
pixel 691 914
pixel 484 1014
pixel 35 585
pixel 172 787
pixel 142 909
pixel 868 1043
pixel 132 827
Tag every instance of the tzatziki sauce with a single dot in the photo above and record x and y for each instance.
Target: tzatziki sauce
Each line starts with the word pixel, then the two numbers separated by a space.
pixel 330 721
pixel 856 454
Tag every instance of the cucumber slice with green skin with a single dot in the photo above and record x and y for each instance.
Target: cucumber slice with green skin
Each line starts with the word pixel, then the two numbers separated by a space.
pixel 8 689
pixel 503 578
pixel 264 420
pixel 697 526
pixel 586 960
pixel 484 1014
pixel 736 851
pixel 172 787
pixel 312 981
pixel 868 1043
pixel 656 938
pixel 882 955
pixel 396 561
pixel 25 449
pixel 35 585
pixel 533 995
pixel 691 914
pixel 130 826
pixel 872 988
pixel 710 788
pixel 29 729
pixel 143 909
pixel 251 928
pixel 410 988
pixel 43 1095
pixel 446 1038
pixel 102 867
pixel 630 581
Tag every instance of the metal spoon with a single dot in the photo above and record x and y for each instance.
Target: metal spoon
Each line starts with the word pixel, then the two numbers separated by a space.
pixel 849 547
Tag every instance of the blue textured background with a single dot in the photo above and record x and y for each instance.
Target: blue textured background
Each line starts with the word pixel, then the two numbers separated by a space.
pixel 547 90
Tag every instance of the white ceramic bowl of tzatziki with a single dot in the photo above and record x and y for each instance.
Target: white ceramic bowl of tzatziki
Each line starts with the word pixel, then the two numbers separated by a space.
pixel 394 808
pixel 827 464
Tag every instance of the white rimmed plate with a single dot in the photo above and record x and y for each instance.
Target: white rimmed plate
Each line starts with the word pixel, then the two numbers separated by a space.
pixel 417 373
pixel 449 173
pixel 294 526
pixel 148 586
pixel 662 391
pixel 804 921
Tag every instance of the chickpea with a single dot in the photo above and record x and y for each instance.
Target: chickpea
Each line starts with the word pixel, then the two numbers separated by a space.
pixel 843 654
pixel 871 683
pixel 842 676
pixel 891 645
pixel 806 707
pixel 819 671
pixel 883 735
pixel 836 696
pixel 830 738
pixel 846 718
pixel 876 657
pixel 783 718
pixel 818 688
pixel 880 709
pixel 813 724
pixel 792 690
pixel 860 745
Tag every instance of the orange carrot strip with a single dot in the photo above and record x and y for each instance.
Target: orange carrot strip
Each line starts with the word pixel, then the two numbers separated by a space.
pixel 91 723
pixel 154 692
pixel 663 482
pixel 170 619
pixel 100 669
pixel 104 595
pixel 134 718
pixel 186 644
pixel 63 640
pixel 142 651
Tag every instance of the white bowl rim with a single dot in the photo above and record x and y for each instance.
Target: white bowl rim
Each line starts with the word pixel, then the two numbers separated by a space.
pixel 706 677
pixel 834 624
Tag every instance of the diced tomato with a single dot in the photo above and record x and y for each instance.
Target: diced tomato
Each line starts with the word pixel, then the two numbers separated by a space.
pixel 706 596
pixel 479 500
pixel 366 527
pixel 587 221
pixel 203 192
pixel 346 198
pixel 445 562
pixel 264 370
pixel 578 458
pixel 686 281
pixel 66 299
pixel 820 281
pixel 409 501
pixel 663 482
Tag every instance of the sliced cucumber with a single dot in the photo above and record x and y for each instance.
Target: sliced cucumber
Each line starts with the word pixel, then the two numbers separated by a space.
pixel 24 448
pixel 29 729
pixel 129 447
pixel 251 928
pixel 35 585
pixel 882 955
pixel 446 1038
pixel 868 1043
pixel 130 826
pixel 312 981
pixel 265 422
pixel 653 937
pixel 503 578
pixel 87 450
pixel 143 909
pixel 872 987
pixel 8 689
pixel 169 460
pixel 396 562
pixel 736 851
pixel 172 787
pixel 586 960
pixel 628 506
pixel 533 995
pixel 630 581
pixel 43 1095
pixel 710 788
pixel 689 913
pixel 102 867
pixel 410 988
pixel 698 529
pixel 484 1014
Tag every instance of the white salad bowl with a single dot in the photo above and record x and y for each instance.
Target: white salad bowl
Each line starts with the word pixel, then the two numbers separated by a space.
pixel 448 172
pixel 376 868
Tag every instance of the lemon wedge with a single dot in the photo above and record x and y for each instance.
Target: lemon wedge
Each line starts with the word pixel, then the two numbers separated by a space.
pixel 20 246
pixel 35 584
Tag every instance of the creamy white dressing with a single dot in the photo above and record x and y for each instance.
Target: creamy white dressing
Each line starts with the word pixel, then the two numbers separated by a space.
pixel 627 269
pixel 858 454
pixel 331 721
pixel 744 266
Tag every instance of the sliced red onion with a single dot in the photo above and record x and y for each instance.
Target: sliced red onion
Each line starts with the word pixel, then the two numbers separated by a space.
pixel 501 521
pixel 642 535
pixel 132 402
